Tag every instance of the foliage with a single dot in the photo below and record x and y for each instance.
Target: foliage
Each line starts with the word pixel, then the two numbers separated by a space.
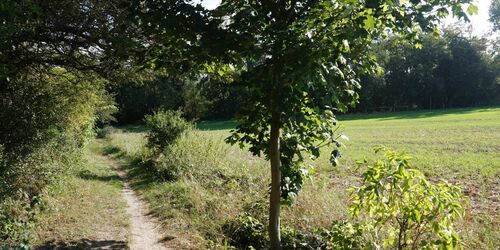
pixel 198 97
pixel 46 117
pixel 167 166
pixel 453 70
pixel 166 127
pixel 226 99
pixel 52 57
pixel 495 14
pixel 195 103
pixel 165 159
pixel 104 132
pixel 403 210
pixel 78 35
pixel 40 106
pixel 339 236
pixel 16 217
pixel 246 232
pixel 17 220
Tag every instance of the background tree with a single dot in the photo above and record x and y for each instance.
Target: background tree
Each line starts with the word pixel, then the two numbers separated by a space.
pixel 137 98
pixel 495 14
pixel 453 70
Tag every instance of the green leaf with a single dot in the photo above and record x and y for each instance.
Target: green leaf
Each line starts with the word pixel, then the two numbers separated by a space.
pixel 345 44
pixel 472 9
pixel 369 22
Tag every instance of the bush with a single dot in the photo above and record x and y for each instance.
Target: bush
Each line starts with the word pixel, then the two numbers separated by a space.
pixel 191 156
pixel 17 220
pixel 167 166
pixel 165 128
pixel 164 159
pixel 402 209
pixel 246 232
pixel 340 236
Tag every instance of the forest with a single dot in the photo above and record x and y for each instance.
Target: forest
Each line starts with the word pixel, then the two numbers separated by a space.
pixel 297 124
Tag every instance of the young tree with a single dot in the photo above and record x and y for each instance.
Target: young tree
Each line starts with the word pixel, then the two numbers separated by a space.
pixel 301 60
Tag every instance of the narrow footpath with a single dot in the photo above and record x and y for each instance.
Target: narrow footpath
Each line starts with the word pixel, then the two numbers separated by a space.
pixel 144 229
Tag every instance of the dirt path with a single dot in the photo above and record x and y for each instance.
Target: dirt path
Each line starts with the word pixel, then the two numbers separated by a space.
pixel 143 228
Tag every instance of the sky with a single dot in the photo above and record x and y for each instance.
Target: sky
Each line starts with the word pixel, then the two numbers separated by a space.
pixel 479 22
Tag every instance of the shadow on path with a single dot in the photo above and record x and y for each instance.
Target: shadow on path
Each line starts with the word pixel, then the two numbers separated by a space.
pixel 87 175
pixel 84 244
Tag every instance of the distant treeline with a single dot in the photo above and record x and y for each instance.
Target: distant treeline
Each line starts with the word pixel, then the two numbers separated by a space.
pixel 447 71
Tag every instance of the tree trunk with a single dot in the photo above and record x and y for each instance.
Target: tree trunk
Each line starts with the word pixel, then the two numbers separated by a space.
pixel 274 201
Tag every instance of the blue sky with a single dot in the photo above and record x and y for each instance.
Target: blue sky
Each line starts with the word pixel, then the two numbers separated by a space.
pixel 479 22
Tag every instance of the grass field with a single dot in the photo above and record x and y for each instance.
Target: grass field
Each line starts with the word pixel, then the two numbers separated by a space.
pixel 86 209
pixel 459 145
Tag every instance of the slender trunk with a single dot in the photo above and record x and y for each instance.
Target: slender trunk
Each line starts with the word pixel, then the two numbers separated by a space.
pixel 274 201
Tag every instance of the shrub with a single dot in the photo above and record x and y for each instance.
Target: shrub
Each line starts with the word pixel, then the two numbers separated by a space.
pixel 38 107
pixel 193 156
pixel 246 232
pixel 168 166
pixel 165 128
pixel 402 209
pixel 340 236
pixel 17 220
pixel 164 159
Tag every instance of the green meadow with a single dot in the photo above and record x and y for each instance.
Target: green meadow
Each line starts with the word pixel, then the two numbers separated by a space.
pixel 220 181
